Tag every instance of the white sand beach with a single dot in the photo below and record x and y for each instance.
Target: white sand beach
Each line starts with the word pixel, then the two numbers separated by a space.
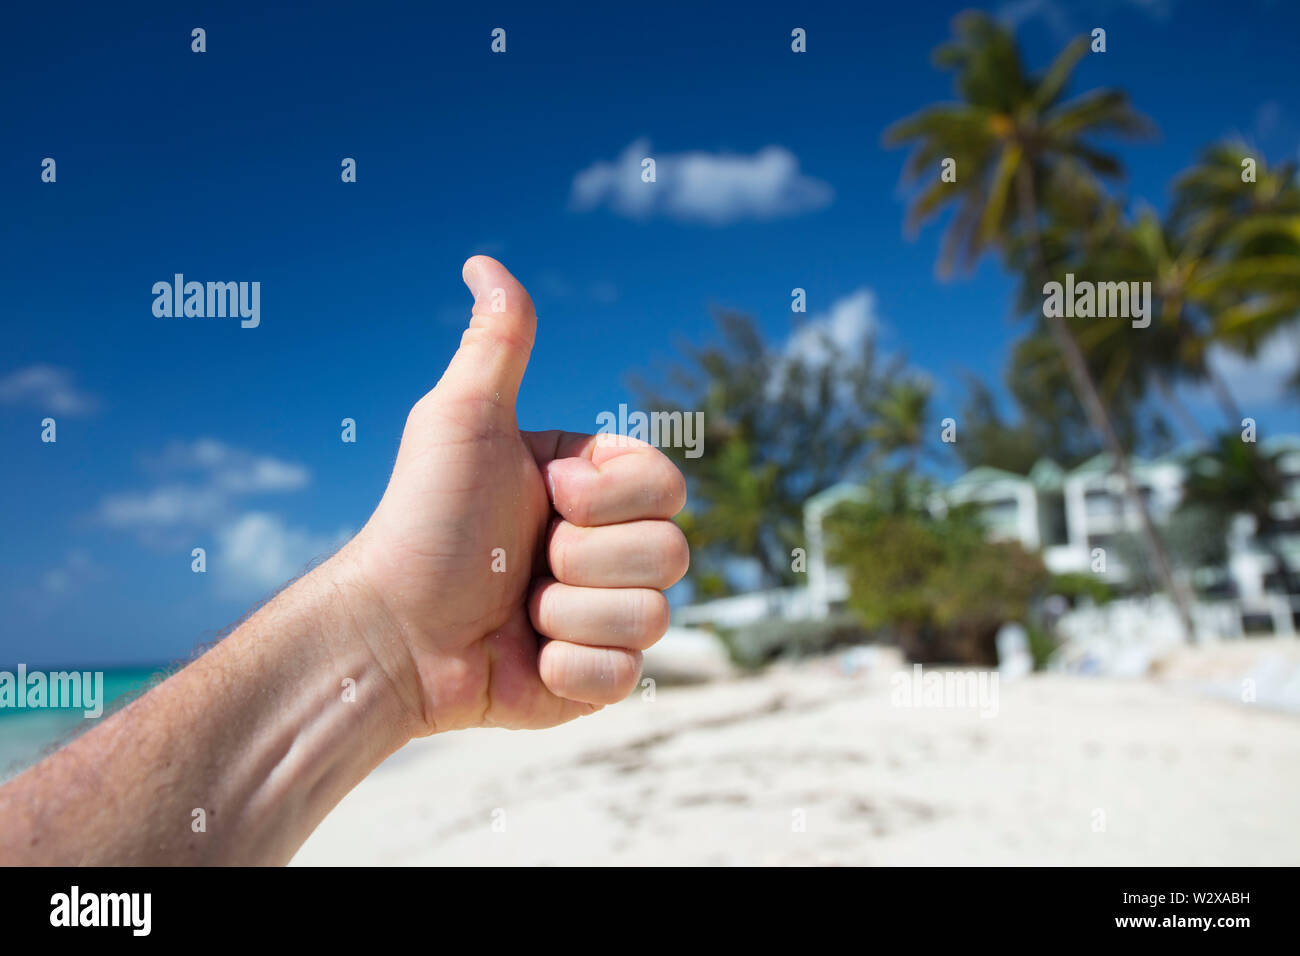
pixel 1070 771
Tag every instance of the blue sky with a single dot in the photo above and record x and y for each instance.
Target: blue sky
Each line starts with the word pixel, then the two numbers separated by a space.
pixel 176 433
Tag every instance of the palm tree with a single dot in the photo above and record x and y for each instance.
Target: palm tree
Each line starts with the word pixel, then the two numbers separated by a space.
pixel 1212 197
pixel 1176 345
pixel 901 413
pixel 1224 264
pixel 1236 477
pixel 1250 234
pixel 780 425
pixel 1014 138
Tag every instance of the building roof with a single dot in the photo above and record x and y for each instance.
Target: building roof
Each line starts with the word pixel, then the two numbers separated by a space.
pixel 829 497
pixel 1100 463
pixel 1105 462
pixel 1046 475
pixel 985 475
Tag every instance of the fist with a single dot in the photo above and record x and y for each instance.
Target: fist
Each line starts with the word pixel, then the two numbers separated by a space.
pixel 514 577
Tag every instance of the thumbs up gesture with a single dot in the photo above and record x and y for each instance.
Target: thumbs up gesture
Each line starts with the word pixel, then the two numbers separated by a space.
pixel 519 575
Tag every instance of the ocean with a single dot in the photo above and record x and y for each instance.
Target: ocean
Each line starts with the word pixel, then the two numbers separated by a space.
pixel 27 734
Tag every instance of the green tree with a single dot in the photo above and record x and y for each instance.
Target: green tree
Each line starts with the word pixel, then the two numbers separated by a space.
pixel 902 412
pixel 1215 195
pixel 1049 422
pixel 1225 271
pixel 1227 285
pixel 1014 138
pixel 780 425
pixel 934 581
pixel 1238 477
pixel 1247 222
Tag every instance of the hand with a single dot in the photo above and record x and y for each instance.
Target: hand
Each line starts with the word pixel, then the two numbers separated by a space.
pixel 521 572
pixel 506 579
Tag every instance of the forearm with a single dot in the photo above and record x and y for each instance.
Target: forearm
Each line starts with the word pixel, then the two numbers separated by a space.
pixel 455 607
pixel 264 734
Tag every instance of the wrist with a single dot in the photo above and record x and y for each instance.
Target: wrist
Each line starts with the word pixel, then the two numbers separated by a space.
pixel 369 632
pixel 330 701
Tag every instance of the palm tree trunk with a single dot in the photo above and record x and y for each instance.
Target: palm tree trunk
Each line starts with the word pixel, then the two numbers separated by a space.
pixel 1086 391
pixel 1229 404
pixel 1190 425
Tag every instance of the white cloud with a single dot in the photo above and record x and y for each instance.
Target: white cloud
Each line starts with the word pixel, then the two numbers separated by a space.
pixel 1261 380
pixel 842 330
pixel 712 188
pixel 199 500
pixel 839 333
pixel 164 507
pixel 259 551
pixel 219 473
pixel 233 470
pixel 46 387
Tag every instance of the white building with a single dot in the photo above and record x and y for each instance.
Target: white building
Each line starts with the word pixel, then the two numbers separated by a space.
pixel 1068 516
pixel 1071 518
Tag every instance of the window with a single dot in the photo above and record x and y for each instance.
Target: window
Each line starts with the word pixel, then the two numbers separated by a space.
pixel 1052 520
pixel 1100 504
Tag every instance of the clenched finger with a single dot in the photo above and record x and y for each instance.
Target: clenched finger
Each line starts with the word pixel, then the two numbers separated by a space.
pixel 640 483
pixel 635 554
pixel 632 618
pixel 594 675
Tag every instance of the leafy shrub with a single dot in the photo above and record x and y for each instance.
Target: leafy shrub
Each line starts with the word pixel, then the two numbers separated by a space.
pixel 1081 584
pixel 935 582
pixel 1042 645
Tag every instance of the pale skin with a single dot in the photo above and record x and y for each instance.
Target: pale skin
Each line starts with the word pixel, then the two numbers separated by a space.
pixel 259 733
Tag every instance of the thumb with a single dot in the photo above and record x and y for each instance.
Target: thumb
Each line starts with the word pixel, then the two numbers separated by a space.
pixel 494 350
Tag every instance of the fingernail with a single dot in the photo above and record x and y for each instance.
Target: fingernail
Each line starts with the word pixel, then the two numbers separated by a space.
pixel 473 280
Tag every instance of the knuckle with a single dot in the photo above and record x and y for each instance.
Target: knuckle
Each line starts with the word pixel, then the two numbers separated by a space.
pixel 559 554
pixel 626 670
pixel 674 485
pixel 578 509
pixel 677 555
pixel 651 617
pixel 540 609
pixel 668 556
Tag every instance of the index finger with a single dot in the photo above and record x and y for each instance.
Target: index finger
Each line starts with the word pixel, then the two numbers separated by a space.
pixel 607 479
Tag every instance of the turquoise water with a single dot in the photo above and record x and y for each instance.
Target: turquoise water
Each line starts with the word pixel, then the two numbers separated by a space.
pixel 27 734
